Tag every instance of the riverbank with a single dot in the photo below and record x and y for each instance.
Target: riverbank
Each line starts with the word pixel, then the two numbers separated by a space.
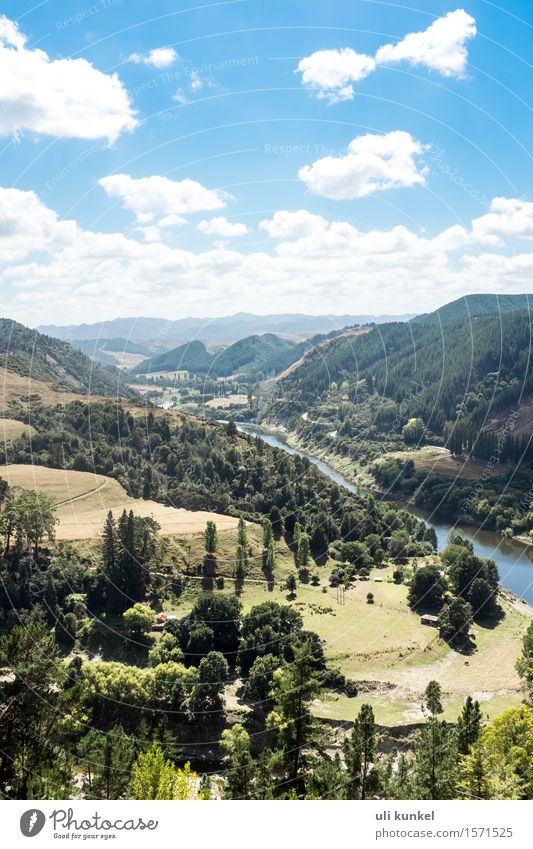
pixel 514 558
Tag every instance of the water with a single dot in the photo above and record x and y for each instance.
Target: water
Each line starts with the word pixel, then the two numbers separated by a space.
pixel 513 558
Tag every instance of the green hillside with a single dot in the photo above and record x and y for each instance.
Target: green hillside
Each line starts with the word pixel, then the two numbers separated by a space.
pixel 28 352
pixel 253 354
pixel 471 306
pixel 435 371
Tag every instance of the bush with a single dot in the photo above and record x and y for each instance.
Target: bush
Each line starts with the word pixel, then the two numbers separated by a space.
pixel 334 679
pixel 397 576
pixel 138 620
pixel 350 688
pixel 370 598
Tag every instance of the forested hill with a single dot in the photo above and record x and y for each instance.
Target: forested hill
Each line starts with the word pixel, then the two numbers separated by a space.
pixel 435 370
pixel 471 306
pixel 196 465
pixel 30 353
pixel 253 354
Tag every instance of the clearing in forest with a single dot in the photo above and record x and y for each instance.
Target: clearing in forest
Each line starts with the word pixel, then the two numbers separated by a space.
pixel 432 458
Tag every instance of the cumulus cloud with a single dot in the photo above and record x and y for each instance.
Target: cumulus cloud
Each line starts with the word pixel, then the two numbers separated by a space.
pixel 160 57
pixel 220 226
pixel 441 47
pixel 373 163
pixel 152 197
pixel 67 98
pixel 508 217
pixel 44 260
pixel 292 225
pixel 330 73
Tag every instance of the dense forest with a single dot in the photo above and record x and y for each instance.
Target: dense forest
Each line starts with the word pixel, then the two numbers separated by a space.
pixel 197 465
pixel 437 372
pixel 32 354
pixel 259 356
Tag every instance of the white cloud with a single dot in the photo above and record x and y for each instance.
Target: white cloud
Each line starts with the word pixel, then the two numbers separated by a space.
pixel 292 225
pixel 441 47
pixel 181 97
pixel 330 73
pixel 196 81
pixel 373 163
pixel 310 261
pixel 220 226
pixel 151 197
pixel 511 217
pixel 68 98
pixel 194 84
pixel 160 57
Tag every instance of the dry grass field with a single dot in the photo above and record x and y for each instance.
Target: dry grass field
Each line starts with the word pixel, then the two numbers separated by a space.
pixel 27 390
pixel 225 403
pixel 11 429
pixel 84 499
pixel 432 458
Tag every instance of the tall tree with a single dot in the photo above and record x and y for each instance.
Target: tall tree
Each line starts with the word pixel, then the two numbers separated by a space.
pixel 360 753
pixel 436 752
pixel 268 536
pixel 468 726
pixel 108 758
pixel 294 684
pixel 242 540
pixel 211 538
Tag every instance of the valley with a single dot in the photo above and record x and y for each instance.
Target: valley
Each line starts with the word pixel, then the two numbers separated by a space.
pixel 156 541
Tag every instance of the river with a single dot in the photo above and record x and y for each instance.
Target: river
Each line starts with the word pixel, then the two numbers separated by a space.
pixel 513 558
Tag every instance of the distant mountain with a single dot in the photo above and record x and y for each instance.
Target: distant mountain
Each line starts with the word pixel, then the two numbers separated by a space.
pixel 471 306
pixel 252 354
pixel 169 334
pixel 30 353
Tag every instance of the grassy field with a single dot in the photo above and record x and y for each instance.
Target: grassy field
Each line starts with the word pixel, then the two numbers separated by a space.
pixel 391 655
pixel 25 391
pixel 225 403
pixel 84 499
pixel 432 458
pixel 11 429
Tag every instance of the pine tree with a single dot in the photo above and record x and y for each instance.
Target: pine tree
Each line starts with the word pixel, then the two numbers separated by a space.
pixel 360 753
pixel 436 751
pixel 294 684
pixel 468 726
pixel 111 567
pixel 473 782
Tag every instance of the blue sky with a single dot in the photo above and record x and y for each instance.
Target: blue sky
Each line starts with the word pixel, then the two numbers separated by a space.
pixel 200 159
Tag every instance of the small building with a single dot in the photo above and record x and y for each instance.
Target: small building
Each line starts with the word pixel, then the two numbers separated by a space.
pixel 378 580
pixel 429 619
